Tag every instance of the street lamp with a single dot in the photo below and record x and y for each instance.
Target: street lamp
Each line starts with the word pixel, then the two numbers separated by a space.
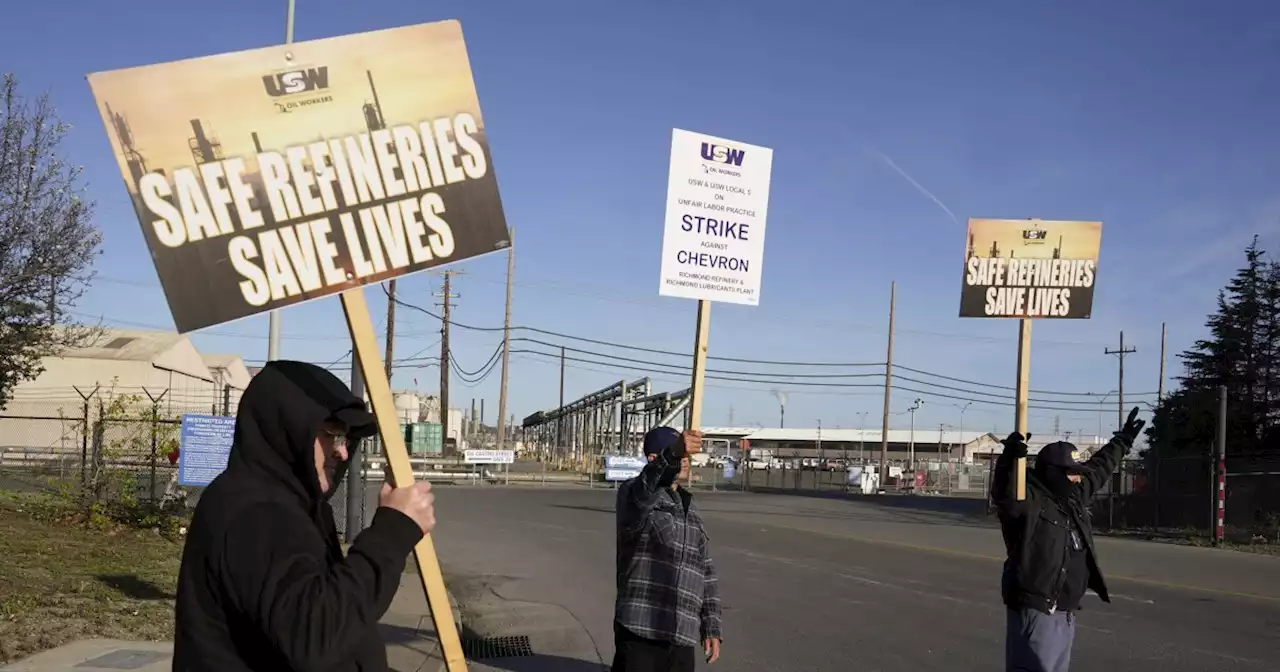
pixel 862 423
pixel 911 443
pixel 963 446
pixel 1101 402
pixel 819 440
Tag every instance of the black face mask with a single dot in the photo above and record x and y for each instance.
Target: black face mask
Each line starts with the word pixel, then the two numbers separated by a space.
pixel 1058 481
pixel 336 470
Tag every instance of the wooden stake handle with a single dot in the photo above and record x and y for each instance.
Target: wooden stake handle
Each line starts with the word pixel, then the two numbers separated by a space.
pixel 399 471
pixel 1020 403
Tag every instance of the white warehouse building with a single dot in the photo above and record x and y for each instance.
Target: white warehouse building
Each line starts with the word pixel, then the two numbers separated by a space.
pixel 165 367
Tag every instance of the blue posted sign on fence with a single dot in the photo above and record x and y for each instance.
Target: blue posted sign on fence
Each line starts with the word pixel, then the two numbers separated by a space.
pixel 203 448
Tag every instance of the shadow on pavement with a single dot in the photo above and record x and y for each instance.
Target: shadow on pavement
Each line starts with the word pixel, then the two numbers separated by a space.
pixel 921 510
pixel 594 509
pixel 968 507
pixel 135 587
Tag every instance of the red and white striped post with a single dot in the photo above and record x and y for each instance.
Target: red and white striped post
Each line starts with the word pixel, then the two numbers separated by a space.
pixel 1219 522
pixel 1219 529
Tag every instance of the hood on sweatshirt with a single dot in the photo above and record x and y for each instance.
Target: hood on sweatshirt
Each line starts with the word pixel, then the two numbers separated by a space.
pixel 282 412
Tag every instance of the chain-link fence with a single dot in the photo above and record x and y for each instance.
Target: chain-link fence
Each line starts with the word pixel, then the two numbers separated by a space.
pixel 1180 496
pixel 105 450
pixel 837 476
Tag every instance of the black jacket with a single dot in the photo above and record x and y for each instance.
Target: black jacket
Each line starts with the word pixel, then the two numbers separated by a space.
pixel 264 585
pixel 1037 530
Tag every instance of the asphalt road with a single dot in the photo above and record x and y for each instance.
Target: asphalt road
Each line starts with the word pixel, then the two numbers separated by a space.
pixel 816 584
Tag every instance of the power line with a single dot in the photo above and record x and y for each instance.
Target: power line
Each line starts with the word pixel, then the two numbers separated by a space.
pixel 560 289
pixel 487 366
pixel 468 381
pixel 624 346
pixel 1006 387
pixel 1088 404
pixel 1039 404
pixel 738 373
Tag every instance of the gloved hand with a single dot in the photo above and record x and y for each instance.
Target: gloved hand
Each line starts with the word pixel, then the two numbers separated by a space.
pixel 1132 427
pixel 1015 446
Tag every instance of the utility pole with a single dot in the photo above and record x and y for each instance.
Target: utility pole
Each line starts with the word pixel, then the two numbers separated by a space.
pixel 1160 390
pixel 915 406
pixel 446 301
pixel 391 325
pixel 506 342
pixel 472 425
pixel 560 419
pixel 888 387
pixel 1121 352
pixel 1220 467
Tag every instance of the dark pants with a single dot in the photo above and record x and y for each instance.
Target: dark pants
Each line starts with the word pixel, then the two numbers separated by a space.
pixel 633 653
pixel 1038 642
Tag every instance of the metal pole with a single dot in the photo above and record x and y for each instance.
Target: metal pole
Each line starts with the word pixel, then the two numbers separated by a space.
pixel 817 472
pixel 506 343
pixel 1220 505
pixel 561 417
pixel 888 387
pixel 355 493
pixel 912 442
pixel 1120 399
pixel 273 324
pixel 1160 390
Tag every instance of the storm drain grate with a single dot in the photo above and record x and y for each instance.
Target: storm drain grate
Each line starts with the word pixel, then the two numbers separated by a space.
pixel 483 648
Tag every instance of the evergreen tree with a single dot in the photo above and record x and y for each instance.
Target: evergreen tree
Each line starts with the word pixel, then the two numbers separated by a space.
pixel 1241 351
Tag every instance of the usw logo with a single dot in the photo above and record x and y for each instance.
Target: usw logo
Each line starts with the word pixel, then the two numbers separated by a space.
pixel 722 154
pixel 293 82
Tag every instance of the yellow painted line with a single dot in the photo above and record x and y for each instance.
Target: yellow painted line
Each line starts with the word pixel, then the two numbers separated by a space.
pixel 979 556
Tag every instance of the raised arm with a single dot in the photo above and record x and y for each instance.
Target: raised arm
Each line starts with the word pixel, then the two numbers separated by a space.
pixel 1097 470
pixel 638 496
pixel 1003 481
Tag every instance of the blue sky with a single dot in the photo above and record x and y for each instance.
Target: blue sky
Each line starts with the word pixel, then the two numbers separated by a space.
pixel 1155 117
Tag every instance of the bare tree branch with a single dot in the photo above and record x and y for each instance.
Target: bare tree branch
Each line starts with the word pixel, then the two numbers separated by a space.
pixel 47 238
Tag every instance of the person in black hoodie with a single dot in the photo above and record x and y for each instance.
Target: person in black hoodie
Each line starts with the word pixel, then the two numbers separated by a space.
pixel 1051 561
pixel 264 585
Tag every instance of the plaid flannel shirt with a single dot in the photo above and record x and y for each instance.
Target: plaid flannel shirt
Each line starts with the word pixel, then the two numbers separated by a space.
pixel 667 585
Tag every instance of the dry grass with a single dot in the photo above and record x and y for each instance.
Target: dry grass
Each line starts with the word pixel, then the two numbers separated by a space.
pixel 62 579
pixel 1235 540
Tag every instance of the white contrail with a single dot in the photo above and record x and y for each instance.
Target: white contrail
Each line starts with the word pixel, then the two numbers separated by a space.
pixel 919 187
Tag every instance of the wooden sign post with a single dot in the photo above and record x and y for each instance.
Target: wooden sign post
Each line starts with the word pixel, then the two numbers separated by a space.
pixel 699 366
pixel 399 471
pixel 1020 402
pixel 1029 269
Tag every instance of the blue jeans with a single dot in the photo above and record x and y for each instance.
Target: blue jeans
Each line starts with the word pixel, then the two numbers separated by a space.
pixel 1038 642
